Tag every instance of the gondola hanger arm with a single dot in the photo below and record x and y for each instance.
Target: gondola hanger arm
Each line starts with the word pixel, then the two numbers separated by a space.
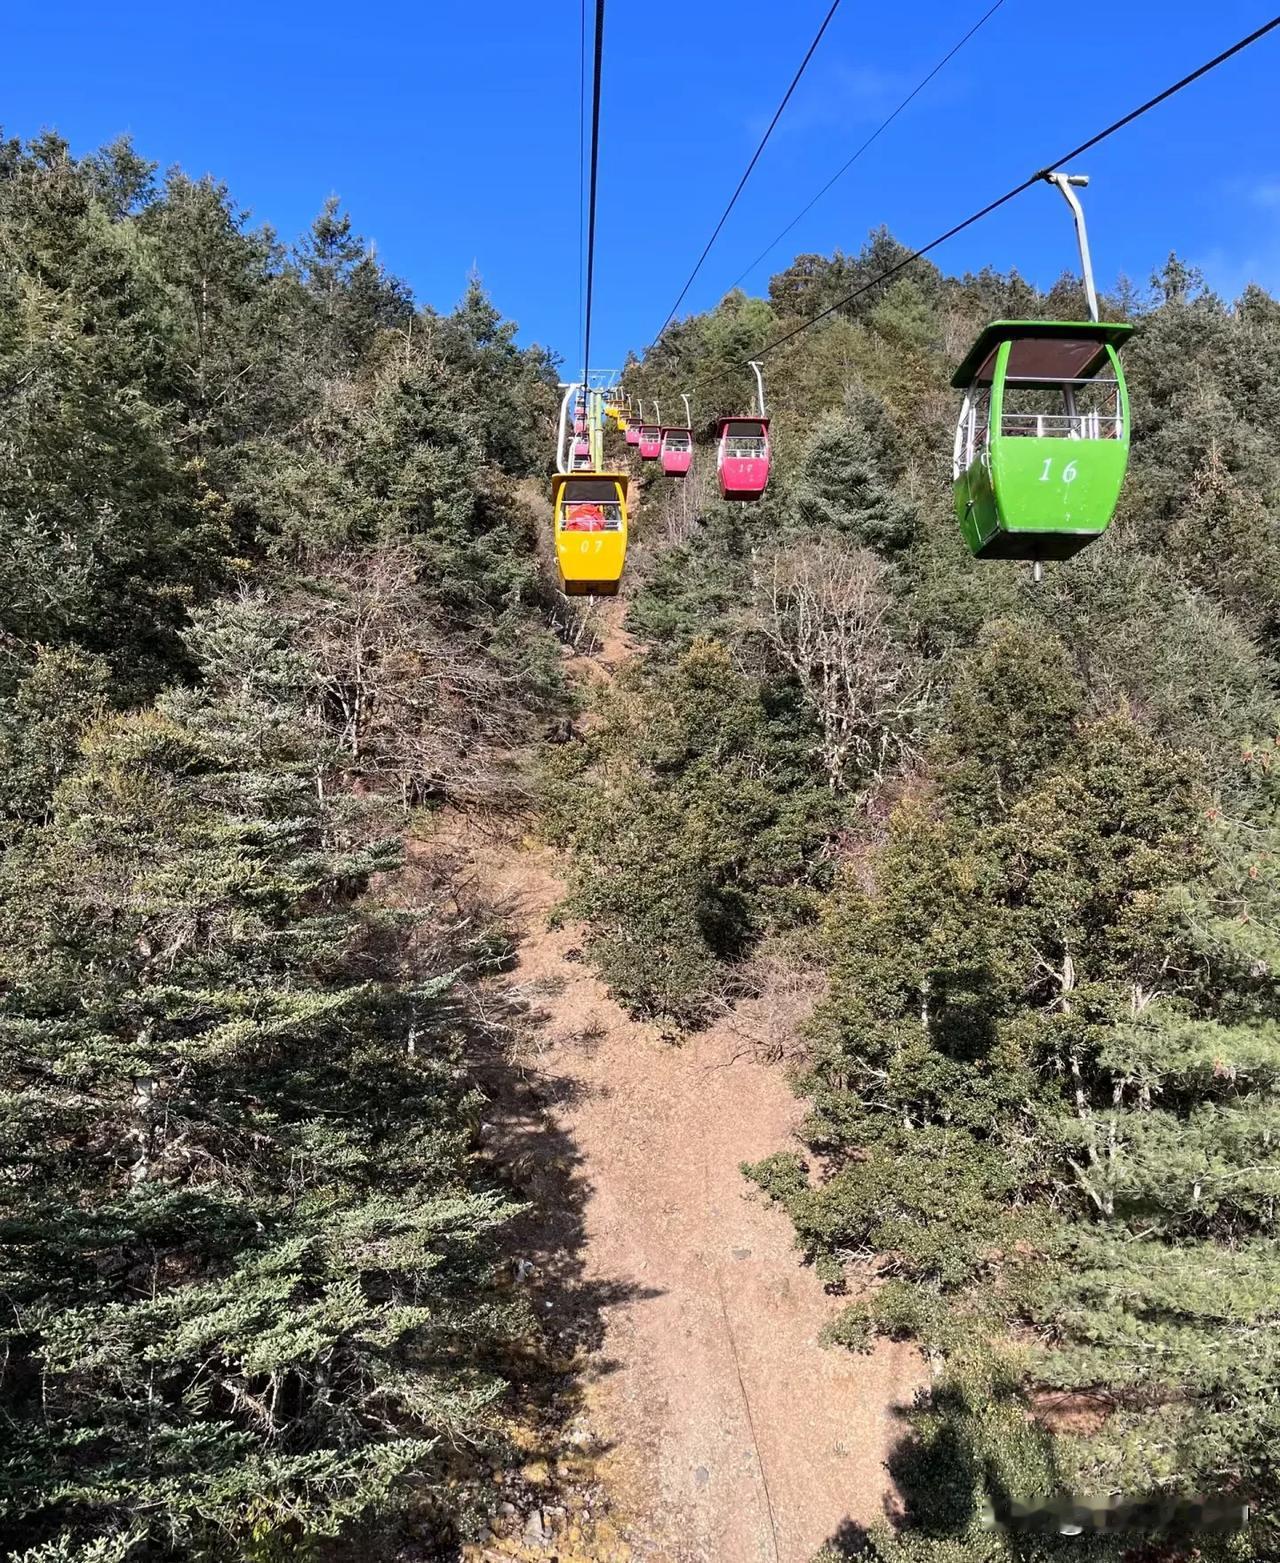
pixel 1068 184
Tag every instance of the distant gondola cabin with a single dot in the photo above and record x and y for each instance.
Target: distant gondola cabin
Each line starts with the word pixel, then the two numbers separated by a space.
pixel 677 451
pixel 591 531
pixel 1043 438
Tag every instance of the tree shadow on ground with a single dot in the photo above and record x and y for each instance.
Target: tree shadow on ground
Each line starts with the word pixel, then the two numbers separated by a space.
pixel 503 1020
pixel 944 1472
pixel 848 1540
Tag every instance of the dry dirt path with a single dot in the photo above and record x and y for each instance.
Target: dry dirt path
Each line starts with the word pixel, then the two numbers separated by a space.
pixel 729 1434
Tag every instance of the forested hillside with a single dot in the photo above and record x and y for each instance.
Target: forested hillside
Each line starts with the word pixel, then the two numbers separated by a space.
pixel 271 590
pixel 268 582
pixel 1023 839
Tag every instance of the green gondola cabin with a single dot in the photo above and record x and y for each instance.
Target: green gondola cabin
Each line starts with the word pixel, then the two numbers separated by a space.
pixel 1043 438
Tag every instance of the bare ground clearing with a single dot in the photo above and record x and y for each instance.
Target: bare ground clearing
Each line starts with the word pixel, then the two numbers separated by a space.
pixel 725 1431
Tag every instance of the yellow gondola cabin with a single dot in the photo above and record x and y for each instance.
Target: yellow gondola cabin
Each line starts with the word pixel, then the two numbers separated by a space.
pixel 591 531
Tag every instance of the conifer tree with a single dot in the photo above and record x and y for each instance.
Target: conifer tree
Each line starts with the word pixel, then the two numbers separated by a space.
pixel 841 489
pixel 244 1264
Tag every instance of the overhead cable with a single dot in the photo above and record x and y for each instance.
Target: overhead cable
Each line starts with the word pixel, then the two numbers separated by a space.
pixel 591 203
pixel 874 136
pixel 755 158
pixel 1002 200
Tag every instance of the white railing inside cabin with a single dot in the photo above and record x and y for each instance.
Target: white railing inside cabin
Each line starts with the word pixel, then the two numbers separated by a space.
pixel 1062 416
pixel 592 516
pixel 1062 425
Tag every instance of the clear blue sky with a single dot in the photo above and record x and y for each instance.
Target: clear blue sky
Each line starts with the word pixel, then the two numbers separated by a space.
pixel 449 130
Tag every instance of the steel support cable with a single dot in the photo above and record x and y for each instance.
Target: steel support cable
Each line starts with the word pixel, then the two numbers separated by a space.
pixel 591 204
pixel 991 206
pixel 755 158
pixel 874 136
pixel 582 166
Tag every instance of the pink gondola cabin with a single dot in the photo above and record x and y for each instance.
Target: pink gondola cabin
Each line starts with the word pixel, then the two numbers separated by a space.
pixel 677 451
pixel 742 457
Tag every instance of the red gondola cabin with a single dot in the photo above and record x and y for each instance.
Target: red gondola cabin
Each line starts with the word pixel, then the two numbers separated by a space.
pixel 677 451
pixel 742 457
pixel 650 441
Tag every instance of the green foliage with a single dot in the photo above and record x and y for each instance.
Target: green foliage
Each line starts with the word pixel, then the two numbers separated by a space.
pixel 706 357
pixel 268 573
pixel 1042 1082
pixel 183 398
pixel 814 282
pixel 840 488
pixel 246 1253
pixel 244 1260
pixel 1012 712
pixel 104 537
pixel 697 822
pixel 693 589
pixel 40 728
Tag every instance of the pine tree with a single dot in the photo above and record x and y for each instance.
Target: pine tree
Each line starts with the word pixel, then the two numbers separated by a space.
pixel 244 1262
pixel 840 488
